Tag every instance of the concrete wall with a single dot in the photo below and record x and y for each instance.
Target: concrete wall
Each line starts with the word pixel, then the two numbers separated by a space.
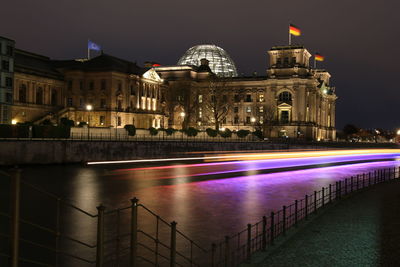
pixel 50 152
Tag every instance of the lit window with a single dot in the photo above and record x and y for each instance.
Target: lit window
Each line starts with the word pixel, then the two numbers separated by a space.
pixel 248 109
pixel 200 98
pixel 261 98
pixel 261 109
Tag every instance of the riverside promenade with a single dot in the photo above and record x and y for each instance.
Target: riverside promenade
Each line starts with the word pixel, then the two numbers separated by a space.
pixel 360 230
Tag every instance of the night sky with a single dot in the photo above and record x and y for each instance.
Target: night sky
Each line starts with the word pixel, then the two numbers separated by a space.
pixel 360 39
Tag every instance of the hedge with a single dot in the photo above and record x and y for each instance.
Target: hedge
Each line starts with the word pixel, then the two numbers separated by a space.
pixel 211 132
pixel 242 133
pixel 227 133
pixel 153 131
pixel 131 129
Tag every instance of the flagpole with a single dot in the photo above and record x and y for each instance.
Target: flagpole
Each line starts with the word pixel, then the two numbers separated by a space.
pixel 315 63
pixel 290 38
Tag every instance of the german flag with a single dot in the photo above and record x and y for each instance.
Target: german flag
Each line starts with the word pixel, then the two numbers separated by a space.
pixel 318 57
pixel 294 30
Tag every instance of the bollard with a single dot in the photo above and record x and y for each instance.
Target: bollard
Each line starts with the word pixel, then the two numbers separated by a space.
pixel 306 207
pixel 323 197
pixel 172 258
pixel 272 227
pixel 213 248
pixel 374 177
pixel 295 211
pixel 330 193
pixel 315 201
pixel 100 236
pixel 134 227
pixel 284 219
pixel 345 186
pixel 248 241
pixel 227 251
pixel 15 209
pixel 340 188
pixel 264 233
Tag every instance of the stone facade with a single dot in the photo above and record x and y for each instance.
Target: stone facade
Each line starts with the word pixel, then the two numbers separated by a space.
pixel 292 100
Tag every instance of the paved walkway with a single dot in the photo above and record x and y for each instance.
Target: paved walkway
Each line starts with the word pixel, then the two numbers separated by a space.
pixel 362 230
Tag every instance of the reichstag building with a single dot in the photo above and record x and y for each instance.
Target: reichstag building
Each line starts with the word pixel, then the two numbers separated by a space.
pixel 203 90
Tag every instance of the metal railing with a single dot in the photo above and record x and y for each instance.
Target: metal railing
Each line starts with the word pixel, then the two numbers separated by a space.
pixel 124 237
pixel 134 235
pixel 240 247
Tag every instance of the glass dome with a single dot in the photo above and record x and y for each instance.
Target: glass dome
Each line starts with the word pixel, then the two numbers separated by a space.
pixel 219 61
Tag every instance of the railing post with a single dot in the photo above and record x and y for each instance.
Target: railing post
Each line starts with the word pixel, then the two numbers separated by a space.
pixel 306 207
pixel 264 233
pixel 213 248
pixel 272 227
pixel 374 177
pixel 340 188
pixel 173 245
pixel 227 251
pixel 15 209
pixel 330 193
pixel 363 180
pixel 296 208
pixel 369 179
pixel 134 228
pixel 315 201
pixel 284 219
pixel 248 256
pixel 351 184
pixel 358 183
pixel 323 197
pixel 100 236
pixel 345 186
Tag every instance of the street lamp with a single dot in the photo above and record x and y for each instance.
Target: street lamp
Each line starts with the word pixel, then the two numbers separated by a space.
pixel 398 132
pixel 88 108
pixel 253 120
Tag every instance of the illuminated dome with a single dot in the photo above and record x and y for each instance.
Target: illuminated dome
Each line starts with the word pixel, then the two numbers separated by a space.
pixel 219 61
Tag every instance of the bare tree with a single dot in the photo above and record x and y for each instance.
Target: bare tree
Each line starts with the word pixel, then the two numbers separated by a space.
pixel 183 94
pixel 215 101
pixel 269 118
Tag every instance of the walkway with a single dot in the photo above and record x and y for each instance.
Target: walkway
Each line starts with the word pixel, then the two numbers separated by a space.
pixel 362 230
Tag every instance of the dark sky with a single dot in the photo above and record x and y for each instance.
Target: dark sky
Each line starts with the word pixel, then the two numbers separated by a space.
pixel 360 39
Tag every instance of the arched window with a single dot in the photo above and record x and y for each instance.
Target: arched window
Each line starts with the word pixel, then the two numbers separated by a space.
pixel 22 93
pixel 285 97
pixel 39 96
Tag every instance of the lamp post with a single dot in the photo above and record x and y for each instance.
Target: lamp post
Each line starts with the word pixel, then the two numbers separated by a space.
pixel 253 120
pixel 398 136
pixel 88 108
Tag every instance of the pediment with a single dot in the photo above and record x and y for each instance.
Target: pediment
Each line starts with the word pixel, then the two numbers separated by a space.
pixel 151 74
pixel 284 105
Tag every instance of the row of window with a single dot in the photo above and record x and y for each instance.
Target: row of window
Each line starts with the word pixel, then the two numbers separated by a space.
pixel 248 109
pixel 23 97
pixel 149 92
pixel 236 98
pixel 5 65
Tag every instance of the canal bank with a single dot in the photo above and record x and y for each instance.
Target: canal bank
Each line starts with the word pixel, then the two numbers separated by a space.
pixel 21 152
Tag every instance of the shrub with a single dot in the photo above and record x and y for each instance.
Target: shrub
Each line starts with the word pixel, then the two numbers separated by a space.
pixel 131 129
pixel 211 132
pixel 170 131
pixel 66 122
pixel 226 133
pixel 46 122
pixel 259 134
pixel 153 131
pixel 191 131
pixel 242 133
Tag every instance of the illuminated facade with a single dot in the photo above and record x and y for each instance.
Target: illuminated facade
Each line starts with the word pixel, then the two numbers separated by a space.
pixel 292 100
pixel 219 60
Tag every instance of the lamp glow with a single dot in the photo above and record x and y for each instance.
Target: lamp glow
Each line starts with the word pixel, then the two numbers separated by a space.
pixel 14 122
pixel 89 107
